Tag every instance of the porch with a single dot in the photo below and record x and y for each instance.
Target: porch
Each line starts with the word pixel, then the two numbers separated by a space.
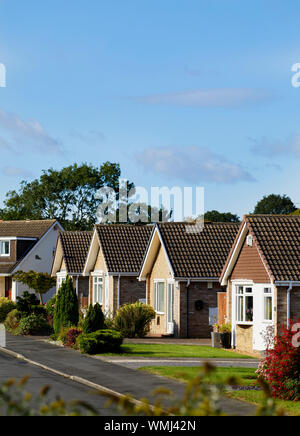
pixel 6 287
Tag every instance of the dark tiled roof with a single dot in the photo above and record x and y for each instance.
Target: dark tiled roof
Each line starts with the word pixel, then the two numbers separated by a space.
pixel 25 229
pixel 124 246
pixel 75 247
pixel 278 239
pixel 200 254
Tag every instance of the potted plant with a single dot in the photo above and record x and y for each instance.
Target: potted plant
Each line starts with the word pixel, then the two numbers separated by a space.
pixel 225 330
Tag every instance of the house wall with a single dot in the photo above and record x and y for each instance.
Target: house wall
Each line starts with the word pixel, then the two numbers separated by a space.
pixel 198 320
pixel 131 290
pixel 40 260
pixel 281 292
pixel 2 286
pixel 250 266
pixel 161 271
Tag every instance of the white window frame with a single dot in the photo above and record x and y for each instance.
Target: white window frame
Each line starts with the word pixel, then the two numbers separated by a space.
pixel 244 295
pixel 61 277
pixel 265 296
pixel 156 282
pixel 3 241
pixel 98 280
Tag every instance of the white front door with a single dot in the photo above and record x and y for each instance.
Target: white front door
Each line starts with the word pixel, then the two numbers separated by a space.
pixel 170 309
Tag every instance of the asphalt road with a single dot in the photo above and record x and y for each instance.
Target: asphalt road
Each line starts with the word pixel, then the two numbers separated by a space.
pixel 64 388
pixel 110 375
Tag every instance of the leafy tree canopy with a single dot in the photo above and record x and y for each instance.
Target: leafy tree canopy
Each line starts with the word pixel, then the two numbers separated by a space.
pixel 275 205
pixel 68 195
pixel 40 283
pixel 221 217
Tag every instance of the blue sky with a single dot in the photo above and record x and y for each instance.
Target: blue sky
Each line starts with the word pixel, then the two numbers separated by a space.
pixel 194 93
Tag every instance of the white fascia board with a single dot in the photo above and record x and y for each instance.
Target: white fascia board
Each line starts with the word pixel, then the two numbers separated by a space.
pixel 287 283
pixel 234 255
pixel 16 238
pixel 18 267
pixel 197 279
pixel 85 269
pixel 156 233
pixel 128 274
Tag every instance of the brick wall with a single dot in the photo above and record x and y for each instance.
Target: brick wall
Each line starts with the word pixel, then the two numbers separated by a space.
pixel 244 338
pixel 282 305
pixel 198 320
pixel 131 290
pixel 2 286
pixel 250 266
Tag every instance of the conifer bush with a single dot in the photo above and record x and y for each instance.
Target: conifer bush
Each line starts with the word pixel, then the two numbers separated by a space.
pixel 66 312
pixel 6 306
pixel 94 319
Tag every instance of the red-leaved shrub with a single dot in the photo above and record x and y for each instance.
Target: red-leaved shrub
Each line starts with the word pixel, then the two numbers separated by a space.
pixel 281 367
pixel 71 337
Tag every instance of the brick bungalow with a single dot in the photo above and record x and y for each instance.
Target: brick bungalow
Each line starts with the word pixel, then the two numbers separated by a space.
pixel 262 275
pixel 24 246
pixel 182 270
pixel 69 260
pixel 113 264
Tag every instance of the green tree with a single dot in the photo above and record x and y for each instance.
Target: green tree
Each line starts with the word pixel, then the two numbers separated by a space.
pixel 94 319
pixel 297 212
pixel 66 312
pixel 40 283
pixel 68 195
pixel 221 217
pixel 275 205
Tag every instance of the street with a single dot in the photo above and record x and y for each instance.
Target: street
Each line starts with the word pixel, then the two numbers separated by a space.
pixel 66 389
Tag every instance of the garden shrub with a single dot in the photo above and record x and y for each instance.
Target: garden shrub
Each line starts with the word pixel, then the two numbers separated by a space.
pixel 71 337
pixel 102 341
pixel 13 320
pixel 94 319
pixel 50 306
pixel 27 302
pixel 281 367
pixel 133 320
pixel 33 325
pixel 66 313
pixel 6 306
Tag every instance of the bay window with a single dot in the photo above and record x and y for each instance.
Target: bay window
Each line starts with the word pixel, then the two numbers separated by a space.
pixel 159 297
pixel 244 304
pixel 98 289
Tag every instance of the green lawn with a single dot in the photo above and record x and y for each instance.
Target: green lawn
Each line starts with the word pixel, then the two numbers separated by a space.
pixel 166 351
pixel 256 397
pixel 246 376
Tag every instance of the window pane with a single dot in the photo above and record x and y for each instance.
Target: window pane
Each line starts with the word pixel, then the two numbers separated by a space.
pixel 170 302
pixel 240 308
pixel 161 297
pixel 249 309
pixel 268 309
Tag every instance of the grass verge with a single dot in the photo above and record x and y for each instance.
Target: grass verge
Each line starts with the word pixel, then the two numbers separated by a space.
pixel 169 351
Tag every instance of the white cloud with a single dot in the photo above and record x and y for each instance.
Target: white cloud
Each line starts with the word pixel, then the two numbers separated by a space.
pixel 17 133
pixel 193 165
pixel 222 97
pixel 289 147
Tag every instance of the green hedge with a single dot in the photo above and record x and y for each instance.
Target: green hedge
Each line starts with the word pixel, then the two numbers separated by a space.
pixel 6 306
pixel 102 341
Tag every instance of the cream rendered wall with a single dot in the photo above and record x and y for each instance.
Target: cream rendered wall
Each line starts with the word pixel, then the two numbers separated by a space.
pixel 161 271
pixel 44 250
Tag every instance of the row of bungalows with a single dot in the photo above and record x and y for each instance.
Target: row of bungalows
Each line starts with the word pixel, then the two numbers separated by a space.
pixel 166 265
